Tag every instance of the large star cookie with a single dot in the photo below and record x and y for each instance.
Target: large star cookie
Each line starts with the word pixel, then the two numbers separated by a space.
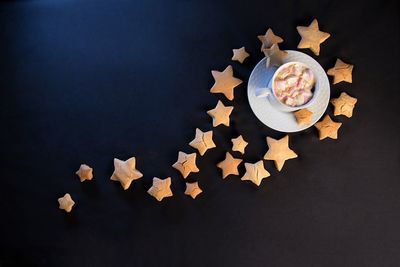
pixel 202 141
pixel 240 54
pixel 255 172
pixel 220 114
pixel 279 151
pixel 328 128
pixel 312 37
pixel 186 164
pixel 161 188
pixel 229 165
pixel 225 82
pixel 66 203
pixel 341 72
pixel 303 116
pixel 125 172
pixel 344 105
pixel 84 173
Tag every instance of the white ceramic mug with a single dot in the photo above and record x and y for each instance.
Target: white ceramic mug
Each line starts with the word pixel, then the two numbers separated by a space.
pixel 270 92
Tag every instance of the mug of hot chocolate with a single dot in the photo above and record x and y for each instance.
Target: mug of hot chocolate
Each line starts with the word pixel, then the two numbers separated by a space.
pixel 292 87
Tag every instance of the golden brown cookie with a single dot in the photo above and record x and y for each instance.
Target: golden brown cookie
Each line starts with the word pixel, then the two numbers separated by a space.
pixel 125 172
pixel 186 164
pixel 312 37
pixel 225 82
pixel 303 116
pixel 220 114
pixel 66 203
pixel 255 172
pixel 274 55
pixel 202 141
pixel 344 105
pixel 229 165
pixel 239 144
pixel 240 54
pixel 161 188
pixel 84 172
pixel 268 39
pixel 328 128
pixel 279 151
pixel 341 72
pixel 193 189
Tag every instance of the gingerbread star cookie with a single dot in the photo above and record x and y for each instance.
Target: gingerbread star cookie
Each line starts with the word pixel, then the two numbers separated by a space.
pixel 193 189
pixel 239 144
pixel 229 165
pixel 220 114
pixel 202 141
pixel 240 54
pixel 84 172
pixel 161 188
pixel 186 163
pixel 341 72
pixel 225 82
pixel 125 172
pixel 344 105
pixel 312 37
pixel 279 151
pixel 66 203
pixel 303 116
pixel 328 128
pixel 274 55
pixel 268 39
pixel 255 172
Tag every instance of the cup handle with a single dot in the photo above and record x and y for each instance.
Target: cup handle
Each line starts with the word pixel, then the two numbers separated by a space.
pixel 263 92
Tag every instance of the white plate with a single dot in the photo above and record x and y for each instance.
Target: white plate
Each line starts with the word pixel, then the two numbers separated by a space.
pixel 280 120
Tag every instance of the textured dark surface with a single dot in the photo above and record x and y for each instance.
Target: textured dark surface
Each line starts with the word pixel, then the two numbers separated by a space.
pixel 87 81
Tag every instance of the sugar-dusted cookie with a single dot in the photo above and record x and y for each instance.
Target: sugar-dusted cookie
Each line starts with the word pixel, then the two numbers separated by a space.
pixel 161 188
pixel 225 82
pixel 220 114
pixel 239 144
pixel 268 39
pixel 125 172
pixel 229 165
pixel 66 203
pixel 255 172
pixel 193 189
pixel 312 37
pixel 84 172
pixel 344 105
pixel 303 116
pixel 240 54
pixel 328 128
pixel 279 151
pixel 341 72
pixel 202 141
pixel 274 55
pixel 186 164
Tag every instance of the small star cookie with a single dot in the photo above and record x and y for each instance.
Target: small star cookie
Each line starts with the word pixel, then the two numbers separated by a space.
pixel 193 189
pixel 255 172
pixel 274 55
pixel 328 128
pixel 186 164
pixel 239 144
pixel 202 141
pixel 279 151
pixel 66 203
pixel 84 172
pixel 303 116
pixel 220 114
pixel 229 165
pixel 268 39
pixel 341 72
pixel 161 188
pixel 312 37
pixel 125 172
pixel 225 82
pixel 240 54
pixel 344 105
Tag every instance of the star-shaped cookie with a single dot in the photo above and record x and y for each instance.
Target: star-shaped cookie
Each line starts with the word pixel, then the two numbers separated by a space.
pixel 125 172
pixel 239 144
pixel 66 203
pixel 240 54
pixel 229 165
pixel 161 188
pixel 193 189
pixel 255 172
pixel 274 55
pixel 186 164
pixel 279 151
pixel 312 37
pixel 328 128
pixel 344 105
pixel 268 39
pixel 225 82
pixel 220 114
pixel 303 116
pixel 202 141
pixel 84 172
pixel 341 72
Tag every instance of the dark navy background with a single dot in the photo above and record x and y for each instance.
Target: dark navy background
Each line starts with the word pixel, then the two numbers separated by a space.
pixel 87 81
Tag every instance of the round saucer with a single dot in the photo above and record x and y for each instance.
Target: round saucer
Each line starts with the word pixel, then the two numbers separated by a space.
pixel 275 118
